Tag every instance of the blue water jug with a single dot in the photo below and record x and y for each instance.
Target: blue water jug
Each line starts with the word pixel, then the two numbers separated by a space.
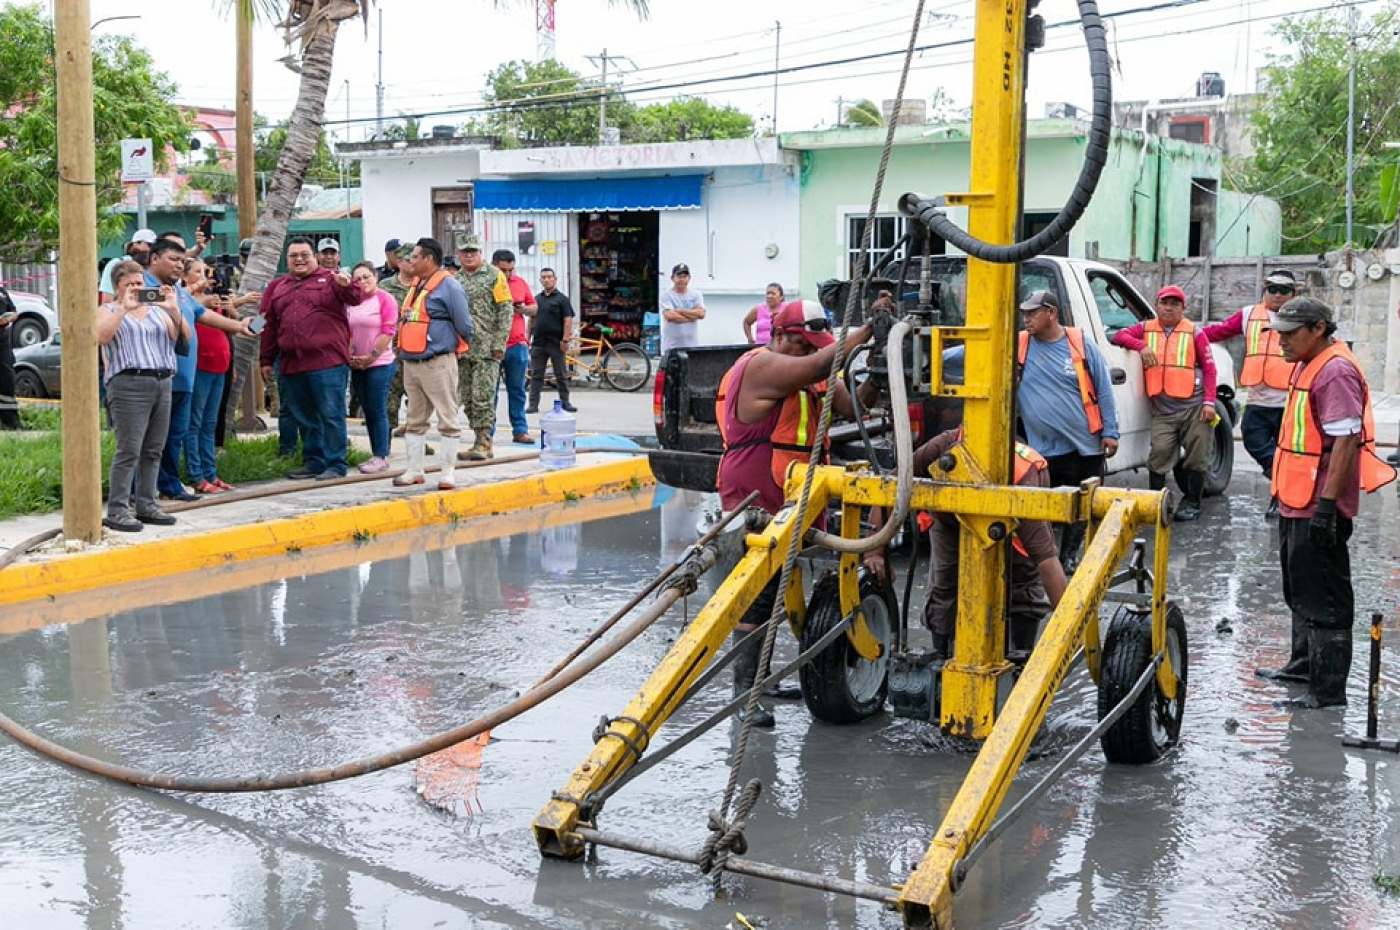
pixel 557 430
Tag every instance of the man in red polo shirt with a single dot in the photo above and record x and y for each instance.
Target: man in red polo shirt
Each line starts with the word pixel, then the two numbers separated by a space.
pixel 517 359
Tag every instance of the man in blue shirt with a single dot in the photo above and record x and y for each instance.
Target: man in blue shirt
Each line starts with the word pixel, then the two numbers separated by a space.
pixel 1065 399
pixel 166 267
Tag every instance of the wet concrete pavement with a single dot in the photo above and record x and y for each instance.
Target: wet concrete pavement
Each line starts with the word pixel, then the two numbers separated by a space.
pixel 1259 819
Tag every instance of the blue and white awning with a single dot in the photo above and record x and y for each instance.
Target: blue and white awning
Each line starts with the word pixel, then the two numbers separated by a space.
pixel 591 195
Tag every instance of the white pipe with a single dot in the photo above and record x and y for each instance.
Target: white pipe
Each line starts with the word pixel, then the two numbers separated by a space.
pixel 904 455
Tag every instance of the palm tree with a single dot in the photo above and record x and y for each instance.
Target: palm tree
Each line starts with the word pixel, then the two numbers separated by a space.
pixel 863 113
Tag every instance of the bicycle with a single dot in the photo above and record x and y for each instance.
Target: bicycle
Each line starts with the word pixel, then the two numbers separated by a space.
pixel 624 366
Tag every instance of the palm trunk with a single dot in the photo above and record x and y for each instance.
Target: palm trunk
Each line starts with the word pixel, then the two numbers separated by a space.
pixel 276 209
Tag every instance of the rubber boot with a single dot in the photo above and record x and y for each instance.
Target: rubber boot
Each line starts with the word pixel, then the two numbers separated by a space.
pixel 483 450
pixel 413 474
pixel 1069 546
pixel 1329 663
pixel 942 645
pixel 447 469
pixel 1190 508
pixel 780 690
pixel 1272 512
pixel 745 670
pixel 1155 481
pixel 1296 669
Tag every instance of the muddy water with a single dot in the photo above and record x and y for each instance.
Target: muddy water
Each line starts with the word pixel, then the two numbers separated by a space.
pixel 1259 819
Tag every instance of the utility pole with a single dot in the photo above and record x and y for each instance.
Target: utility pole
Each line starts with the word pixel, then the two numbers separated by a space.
pixel 379 87
pixel 77 256
pixel 777 47
pixel 603 104
pixel 1351 121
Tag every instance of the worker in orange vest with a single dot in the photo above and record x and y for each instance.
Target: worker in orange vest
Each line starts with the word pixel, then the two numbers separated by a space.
pixel 1326 455
pixel 1064 396
pixel 1265 371
pixel 1180 377
pixel 1037 578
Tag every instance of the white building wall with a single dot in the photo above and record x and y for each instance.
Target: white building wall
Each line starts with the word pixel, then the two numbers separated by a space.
pixel 397 193
pixel 748 213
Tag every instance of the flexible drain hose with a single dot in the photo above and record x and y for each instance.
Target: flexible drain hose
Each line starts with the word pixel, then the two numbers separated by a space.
pixel 904 455
pixel 930 210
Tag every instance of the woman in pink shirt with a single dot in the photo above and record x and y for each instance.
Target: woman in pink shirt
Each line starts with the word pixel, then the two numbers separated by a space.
pixel 372 326
pixel 758 324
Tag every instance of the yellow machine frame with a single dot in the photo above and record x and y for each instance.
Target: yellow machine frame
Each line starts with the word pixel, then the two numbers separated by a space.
pixel 973 482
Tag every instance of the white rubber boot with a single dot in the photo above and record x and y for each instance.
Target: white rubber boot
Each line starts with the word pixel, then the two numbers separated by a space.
pixel 413 474
pixel 447 457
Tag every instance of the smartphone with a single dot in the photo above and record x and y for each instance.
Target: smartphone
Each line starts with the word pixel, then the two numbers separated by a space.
pixel 256 324
pixel 151 295
pixel 206 226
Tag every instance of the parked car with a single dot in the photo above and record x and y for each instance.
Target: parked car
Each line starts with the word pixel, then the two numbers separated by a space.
pixel 36 369
pixel 36 322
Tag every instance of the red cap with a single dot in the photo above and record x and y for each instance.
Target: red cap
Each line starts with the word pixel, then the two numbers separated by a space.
pixel 1171 290
pixel 808 318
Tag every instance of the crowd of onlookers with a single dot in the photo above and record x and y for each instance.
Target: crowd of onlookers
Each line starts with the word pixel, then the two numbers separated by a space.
pixel 439 331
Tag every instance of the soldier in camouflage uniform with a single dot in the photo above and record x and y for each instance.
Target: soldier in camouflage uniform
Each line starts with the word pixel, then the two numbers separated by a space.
pixel 397 286
pixel 488 296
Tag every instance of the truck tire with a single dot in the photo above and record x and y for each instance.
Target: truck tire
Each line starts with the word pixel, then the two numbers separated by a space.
pixel 838 685
pixel 28 331
pixel 29 384
pixel 1220 467
pixel 1152 725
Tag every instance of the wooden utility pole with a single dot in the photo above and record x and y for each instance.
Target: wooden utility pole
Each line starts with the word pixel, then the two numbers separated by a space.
pixel 245 167
pixel 77 260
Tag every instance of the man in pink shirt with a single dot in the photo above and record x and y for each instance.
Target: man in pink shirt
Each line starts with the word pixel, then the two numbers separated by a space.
pixel 1179 375
pixel 517 359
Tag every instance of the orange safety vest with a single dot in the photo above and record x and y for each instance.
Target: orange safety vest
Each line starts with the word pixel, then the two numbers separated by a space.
pixel 1300 439
pixel 1087 395
pixel 1175 371
pixel 1026 459
pixel 1263 359
pixel 412 335
pixel 791 439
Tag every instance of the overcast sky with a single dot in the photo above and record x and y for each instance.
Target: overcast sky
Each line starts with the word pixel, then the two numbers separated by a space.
pixel 436 53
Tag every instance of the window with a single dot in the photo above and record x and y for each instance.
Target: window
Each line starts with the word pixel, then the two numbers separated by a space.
pixel 888 230
pixel 1190 128
pixel 1119 305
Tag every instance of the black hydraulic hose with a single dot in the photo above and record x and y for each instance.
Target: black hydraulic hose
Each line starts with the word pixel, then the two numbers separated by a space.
pixel 931 210
pixel 850 377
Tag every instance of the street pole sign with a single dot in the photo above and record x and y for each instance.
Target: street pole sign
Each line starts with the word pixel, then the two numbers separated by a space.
pixel 138 160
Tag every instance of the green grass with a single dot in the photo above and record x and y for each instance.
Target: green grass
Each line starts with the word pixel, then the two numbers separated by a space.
pixel 31 463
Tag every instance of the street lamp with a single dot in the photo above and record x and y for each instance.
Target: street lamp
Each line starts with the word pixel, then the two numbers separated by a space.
pixel 110 19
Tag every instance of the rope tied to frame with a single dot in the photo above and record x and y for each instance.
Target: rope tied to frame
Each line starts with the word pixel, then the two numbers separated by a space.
pixel 727 836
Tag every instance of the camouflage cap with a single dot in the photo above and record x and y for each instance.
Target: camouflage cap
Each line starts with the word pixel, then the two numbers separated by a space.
pixel 468 242
pixel 404 251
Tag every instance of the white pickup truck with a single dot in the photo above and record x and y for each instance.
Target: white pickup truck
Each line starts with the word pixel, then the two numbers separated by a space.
pixel 1094 297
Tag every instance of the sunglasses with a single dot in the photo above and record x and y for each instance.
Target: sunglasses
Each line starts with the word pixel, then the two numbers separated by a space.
pixel 1279 289
pixel 811 326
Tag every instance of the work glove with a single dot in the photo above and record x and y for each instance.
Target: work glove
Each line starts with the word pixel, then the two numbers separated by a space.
pixel 1322 528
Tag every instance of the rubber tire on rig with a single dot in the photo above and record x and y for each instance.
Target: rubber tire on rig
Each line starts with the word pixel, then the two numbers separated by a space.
pixel 1152 725
pixel 838 685
pixel 626 367
pixel 1221 464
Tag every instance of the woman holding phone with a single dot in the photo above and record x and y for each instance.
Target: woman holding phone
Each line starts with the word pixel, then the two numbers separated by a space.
pixel 137 338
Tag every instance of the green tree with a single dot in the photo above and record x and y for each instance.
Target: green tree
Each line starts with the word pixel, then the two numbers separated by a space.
pixel 130 99
pixel 546 102
pixel 1301 124
pixel 217 176
pixel 687 118
pixel 863 113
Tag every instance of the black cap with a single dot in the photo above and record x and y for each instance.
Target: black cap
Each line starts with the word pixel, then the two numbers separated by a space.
pixel 682 268
pixel 1037 300
pixel 1299 312
pixel 392 245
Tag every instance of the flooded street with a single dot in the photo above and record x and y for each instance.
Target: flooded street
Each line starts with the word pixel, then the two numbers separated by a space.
pixel 1258 819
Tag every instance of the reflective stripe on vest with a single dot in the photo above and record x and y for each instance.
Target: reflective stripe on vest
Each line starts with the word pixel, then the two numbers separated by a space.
pixel 1175 371
pixel 1025 459
pixel 791 439
pixel 415 305
pixel 1263 359
pixel 1087 395
pixel 1301 442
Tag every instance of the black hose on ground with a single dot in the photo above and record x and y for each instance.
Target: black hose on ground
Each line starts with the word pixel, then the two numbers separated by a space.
pixel 930 210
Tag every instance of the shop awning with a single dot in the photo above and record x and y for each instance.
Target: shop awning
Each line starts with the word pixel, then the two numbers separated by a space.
pixel 590 195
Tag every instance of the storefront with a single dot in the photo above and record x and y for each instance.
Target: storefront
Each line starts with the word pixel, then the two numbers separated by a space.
pixel 611 221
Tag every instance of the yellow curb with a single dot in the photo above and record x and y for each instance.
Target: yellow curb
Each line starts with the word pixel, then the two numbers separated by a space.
pixel 160 558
